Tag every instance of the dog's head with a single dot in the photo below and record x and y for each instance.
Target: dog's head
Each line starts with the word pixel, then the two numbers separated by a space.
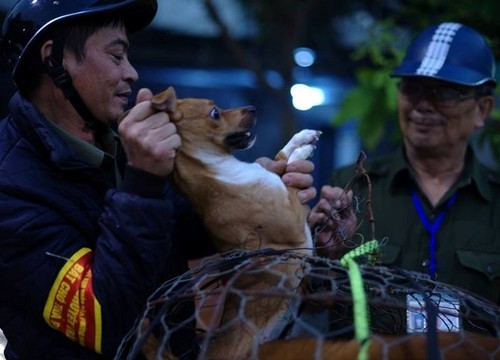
pixel 201 122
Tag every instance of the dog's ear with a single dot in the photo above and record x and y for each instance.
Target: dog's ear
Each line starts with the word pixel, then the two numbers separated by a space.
pixel 167 101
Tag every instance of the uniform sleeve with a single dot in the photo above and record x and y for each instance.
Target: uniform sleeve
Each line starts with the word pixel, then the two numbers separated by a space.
pixel 126 266
pixel 91 288
pixel 189 227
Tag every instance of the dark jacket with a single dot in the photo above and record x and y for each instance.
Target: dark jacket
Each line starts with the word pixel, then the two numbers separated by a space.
pixel 74 251
pixel 468 238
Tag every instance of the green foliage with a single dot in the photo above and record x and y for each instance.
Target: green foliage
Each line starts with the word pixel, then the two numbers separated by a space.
pixel 373 102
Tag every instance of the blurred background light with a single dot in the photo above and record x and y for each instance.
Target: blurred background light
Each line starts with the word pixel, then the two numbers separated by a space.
pixel 305 97
pixel 304 57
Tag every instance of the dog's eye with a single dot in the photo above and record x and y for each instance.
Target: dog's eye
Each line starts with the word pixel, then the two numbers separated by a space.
pixel 214 113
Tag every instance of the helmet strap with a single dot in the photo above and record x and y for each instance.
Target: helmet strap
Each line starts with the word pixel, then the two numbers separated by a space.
pixel 62 80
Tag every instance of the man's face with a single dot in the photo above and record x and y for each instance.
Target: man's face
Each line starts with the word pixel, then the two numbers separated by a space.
pixel 435 115
pixel 104 75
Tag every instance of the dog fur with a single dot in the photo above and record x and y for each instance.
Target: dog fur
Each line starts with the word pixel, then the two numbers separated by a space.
pixel 452 345
pixel 243 205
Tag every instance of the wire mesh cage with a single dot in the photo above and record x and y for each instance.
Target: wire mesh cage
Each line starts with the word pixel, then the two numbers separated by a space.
pixel 219 310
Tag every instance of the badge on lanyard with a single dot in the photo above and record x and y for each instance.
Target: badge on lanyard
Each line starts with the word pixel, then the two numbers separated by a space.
pixel 448 308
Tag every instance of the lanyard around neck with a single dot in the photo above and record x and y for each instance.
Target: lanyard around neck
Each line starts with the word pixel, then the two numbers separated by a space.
pixel 431 227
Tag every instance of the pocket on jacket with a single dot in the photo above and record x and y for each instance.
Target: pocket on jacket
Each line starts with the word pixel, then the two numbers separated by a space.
pixel 487 263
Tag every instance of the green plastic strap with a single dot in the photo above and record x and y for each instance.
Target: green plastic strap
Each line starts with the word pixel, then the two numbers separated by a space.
pixel 364 249
pixel 360 304
pixel 360 309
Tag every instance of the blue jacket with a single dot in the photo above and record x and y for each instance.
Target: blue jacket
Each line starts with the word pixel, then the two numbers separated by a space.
pixel 78 258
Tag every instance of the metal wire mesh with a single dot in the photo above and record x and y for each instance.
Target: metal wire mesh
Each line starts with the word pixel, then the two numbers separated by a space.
pixel 403 305
pixel 270 304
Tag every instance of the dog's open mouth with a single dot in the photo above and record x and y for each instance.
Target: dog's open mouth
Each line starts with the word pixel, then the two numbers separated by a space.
pixel 240 140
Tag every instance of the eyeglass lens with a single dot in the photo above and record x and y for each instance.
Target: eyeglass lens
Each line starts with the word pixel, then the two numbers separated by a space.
pixel 442 93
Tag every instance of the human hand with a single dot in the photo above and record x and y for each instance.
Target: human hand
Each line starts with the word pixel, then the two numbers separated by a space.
pixel 297 174
pixel 149 139
pixel 333 220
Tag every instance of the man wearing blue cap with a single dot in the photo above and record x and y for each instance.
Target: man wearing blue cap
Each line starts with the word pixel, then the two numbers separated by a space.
pixel 433 201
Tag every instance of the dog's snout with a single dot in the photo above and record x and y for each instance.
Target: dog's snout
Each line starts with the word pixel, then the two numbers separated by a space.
pixel 251 110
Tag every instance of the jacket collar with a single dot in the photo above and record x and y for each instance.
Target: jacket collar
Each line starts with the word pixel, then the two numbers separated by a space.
pixel 38 129
pixel 475 174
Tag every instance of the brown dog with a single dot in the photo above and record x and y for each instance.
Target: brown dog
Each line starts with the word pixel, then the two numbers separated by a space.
pixel 242 205
pixel 452 345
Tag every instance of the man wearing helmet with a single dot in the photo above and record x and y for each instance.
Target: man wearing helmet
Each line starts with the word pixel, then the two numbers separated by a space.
pixel 88 224
pixel 433 201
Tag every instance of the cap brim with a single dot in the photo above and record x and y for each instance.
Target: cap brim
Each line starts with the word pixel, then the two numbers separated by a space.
pixel 450 73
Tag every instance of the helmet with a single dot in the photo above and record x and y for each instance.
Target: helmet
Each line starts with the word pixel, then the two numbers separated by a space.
pixel 451 52
pixel 28 20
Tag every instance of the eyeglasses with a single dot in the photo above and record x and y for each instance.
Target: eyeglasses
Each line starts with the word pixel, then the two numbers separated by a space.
pixel 441 94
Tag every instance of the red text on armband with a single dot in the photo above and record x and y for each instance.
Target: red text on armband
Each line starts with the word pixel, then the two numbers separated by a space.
pixel 71 307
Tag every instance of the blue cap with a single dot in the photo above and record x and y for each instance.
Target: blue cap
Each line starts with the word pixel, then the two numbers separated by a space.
pixel 450 52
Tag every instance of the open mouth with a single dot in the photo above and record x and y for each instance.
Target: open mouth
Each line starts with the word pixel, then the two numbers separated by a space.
pixel 240 140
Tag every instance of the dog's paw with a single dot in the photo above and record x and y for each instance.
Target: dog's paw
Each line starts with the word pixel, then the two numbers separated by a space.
pixel 300 140
pixel 307 136
pixel 301 153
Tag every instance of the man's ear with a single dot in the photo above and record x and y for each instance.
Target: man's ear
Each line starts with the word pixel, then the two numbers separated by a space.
pixel 485 106
pixel 46 50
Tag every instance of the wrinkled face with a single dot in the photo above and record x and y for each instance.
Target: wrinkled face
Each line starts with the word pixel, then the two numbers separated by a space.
pixel 436 115
pixel 208 126
pixel 104 75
